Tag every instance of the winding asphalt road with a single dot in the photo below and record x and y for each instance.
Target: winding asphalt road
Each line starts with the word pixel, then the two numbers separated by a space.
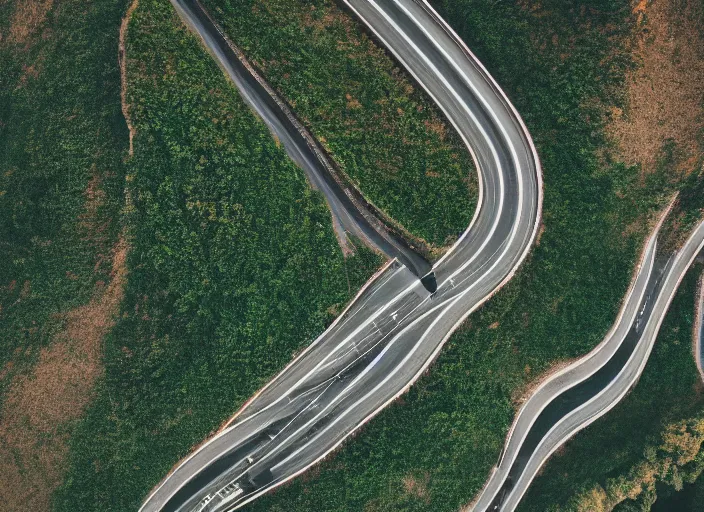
pixel 576 396
pixel 395 327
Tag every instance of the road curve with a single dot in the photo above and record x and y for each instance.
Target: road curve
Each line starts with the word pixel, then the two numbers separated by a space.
pixel 576 396
pixel 394 328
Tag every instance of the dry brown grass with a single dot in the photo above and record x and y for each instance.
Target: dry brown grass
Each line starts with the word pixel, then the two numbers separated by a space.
pixel 40 406
pixel 417 487
pixel 352 103
pixel 31 71
pixel 666 92
pixel 26 18
pixel 437 127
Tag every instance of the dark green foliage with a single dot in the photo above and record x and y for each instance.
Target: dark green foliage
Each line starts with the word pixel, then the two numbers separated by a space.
pixel 387 137
pixel 686 500
pixel 233 268
pixel 60 128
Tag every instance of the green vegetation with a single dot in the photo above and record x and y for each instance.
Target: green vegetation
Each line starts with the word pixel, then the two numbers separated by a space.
pixel 650 445
pixel 386 135
pixel 62 137
pixel 653 438
pixel 233 267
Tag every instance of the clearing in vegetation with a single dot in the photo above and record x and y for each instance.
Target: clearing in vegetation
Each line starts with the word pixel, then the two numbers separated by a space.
pixel 665 92
pixel 27 18
pixel 39 409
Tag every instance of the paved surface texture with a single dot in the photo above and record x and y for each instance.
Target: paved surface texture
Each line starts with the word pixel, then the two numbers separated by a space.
pixel 395 327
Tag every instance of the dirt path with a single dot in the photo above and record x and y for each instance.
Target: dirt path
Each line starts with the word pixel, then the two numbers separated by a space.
pixel 121 57
pixel 697 331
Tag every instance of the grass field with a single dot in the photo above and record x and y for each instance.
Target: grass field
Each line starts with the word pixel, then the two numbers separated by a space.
pixel 61 143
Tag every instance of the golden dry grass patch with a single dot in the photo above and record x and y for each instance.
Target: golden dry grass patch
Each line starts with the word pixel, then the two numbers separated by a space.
pixel 26 18
pixel 666 91
pixel 40 406
pixel 31 72
pixel 437 127
pixel 416 487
